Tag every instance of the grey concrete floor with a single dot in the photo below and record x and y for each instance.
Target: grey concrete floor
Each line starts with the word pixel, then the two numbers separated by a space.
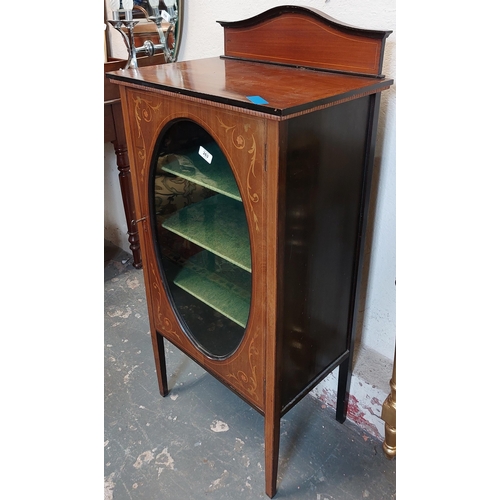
pixel 202 441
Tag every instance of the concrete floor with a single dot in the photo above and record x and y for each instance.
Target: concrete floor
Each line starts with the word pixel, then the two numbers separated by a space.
pixel 202 441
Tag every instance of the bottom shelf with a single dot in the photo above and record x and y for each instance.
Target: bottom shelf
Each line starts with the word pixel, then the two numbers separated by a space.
pixel 220 285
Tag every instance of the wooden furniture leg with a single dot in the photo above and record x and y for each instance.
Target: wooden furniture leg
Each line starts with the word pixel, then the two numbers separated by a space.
pixel 272 446
pixel 161 367
pixel 123 163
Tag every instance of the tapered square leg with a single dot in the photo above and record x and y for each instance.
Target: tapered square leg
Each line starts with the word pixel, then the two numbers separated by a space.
pixel 159 354
pixel 272 445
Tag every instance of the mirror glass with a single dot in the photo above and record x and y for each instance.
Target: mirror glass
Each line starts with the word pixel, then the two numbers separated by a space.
pixel 172 12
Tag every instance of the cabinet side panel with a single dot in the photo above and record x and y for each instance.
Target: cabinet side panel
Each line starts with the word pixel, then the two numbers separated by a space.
pixel 324 182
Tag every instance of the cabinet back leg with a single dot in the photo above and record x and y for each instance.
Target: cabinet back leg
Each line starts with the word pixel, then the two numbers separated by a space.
pixel 161 369
pixel 343 388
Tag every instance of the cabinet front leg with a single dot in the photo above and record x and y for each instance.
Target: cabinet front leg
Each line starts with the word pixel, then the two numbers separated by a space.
pixel 272 446
pixel 161 368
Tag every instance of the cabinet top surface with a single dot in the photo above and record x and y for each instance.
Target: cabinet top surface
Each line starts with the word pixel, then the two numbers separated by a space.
pixel 285 90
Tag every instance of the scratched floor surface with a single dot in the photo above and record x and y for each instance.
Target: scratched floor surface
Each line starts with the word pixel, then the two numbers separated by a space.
pixel 202 441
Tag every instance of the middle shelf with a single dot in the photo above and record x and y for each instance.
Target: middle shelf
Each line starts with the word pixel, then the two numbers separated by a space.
pixel 217 224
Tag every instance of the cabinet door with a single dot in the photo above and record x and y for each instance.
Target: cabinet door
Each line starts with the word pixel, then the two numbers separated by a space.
pixel 199 175
pixel 202 241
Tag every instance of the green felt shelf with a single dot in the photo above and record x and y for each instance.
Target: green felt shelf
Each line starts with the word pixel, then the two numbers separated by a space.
pixel 217 224
pixel 216 175
pixel 225 288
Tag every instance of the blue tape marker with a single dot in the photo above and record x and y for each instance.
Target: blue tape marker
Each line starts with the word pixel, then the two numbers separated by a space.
pixel 256 99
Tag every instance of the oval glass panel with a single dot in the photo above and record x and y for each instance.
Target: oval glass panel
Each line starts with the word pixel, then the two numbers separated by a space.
pixel 202 240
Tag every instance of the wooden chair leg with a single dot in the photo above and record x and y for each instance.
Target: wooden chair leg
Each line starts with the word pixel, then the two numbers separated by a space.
pixel 159 354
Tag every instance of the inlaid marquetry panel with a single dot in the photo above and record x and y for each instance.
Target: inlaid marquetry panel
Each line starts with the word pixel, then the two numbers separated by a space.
pixel 242 140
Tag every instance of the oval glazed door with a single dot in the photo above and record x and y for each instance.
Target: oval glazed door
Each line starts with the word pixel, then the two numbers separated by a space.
pixel 201 237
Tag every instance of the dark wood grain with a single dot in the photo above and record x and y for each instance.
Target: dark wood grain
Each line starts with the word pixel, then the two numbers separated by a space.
pixel 287 90
pixel 112 92
pixel 299 36
pixel 325 172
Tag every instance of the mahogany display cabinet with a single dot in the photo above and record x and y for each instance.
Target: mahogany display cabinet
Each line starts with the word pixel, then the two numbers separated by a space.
pixel 251 176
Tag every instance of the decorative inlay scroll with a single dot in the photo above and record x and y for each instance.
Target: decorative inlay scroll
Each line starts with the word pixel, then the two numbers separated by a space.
pixel 248 383
pixel 162 319
pixel 143 111
pixel 254 197
pixel 239 142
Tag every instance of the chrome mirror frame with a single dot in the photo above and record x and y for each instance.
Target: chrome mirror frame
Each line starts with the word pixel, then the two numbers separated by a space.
pixel 123 21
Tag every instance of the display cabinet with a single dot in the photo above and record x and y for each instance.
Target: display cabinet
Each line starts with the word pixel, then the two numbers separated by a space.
pixel 251 176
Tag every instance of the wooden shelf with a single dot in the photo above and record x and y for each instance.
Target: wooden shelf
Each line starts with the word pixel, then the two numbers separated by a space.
pixel 216 175
pixel 226 288
pixel 217 224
